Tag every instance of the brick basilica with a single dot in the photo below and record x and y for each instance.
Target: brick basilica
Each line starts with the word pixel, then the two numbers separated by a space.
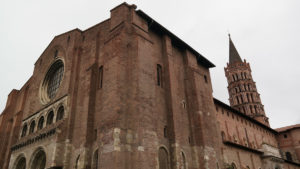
pixel 128 94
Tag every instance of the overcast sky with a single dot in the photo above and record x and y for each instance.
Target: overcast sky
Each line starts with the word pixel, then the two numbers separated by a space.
pixel 266 33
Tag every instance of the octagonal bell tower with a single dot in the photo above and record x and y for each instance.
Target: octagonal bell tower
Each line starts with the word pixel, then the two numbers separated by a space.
pixel 243 95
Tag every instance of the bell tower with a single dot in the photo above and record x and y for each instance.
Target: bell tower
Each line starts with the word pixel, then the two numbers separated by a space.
pixel 243 95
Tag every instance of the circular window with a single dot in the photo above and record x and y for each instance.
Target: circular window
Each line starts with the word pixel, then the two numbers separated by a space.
pixel 52 81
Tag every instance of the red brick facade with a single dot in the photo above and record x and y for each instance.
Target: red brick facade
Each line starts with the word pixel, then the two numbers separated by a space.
pixel 131 95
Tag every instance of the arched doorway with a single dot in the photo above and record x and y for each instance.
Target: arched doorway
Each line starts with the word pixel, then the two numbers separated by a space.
pixel 163 158
pixel 20 163
pixel 38 160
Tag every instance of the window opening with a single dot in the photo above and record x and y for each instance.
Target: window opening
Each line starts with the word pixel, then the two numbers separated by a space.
pixel 54 81
pixel 205 78
pixel 100 77
pixel 41 123
pixel 32 126
pixel 24 131
pixel 165 132
pixel 50 118
pixel 288 156
pixel 60 113
pixel 252 97
pixel 159 75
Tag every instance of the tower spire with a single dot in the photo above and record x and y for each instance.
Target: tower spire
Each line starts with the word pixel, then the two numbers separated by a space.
pixel 233 53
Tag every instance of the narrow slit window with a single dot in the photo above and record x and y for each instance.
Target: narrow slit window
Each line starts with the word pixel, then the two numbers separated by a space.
pixel 205 78
pixel 100 77
pixel 159 75
pixel 165 132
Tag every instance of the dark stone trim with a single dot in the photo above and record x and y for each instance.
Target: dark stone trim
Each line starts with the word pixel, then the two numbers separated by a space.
pixel 33 140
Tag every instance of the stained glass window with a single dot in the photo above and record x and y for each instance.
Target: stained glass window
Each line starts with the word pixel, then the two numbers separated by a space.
pixel 54 81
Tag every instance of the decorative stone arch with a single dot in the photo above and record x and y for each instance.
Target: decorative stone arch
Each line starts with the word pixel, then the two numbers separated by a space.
pixel 38 159
pixel 47 117
pixel 20 162
pixel 60 112
pixel 95 159
pixel 77 162
pixel 233 166
pixel 32 126
pixel 184 164
pixel 163 158
pixel 40 122
pixel 24 129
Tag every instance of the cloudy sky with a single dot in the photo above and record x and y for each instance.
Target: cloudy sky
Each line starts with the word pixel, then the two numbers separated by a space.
pixel 266 33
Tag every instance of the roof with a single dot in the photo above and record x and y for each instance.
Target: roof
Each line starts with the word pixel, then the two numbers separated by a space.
pixel 244 116
pixel 233 53
pixel 175 40
pixel 282 129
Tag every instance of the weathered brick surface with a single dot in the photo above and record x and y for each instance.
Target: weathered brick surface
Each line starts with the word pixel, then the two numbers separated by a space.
pixel 130 117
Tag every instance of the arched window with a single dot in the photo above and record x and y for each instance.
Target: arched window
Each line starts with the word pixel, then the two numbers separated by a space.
pixel 249 87
pixel 252 97
pixel 255 109
pixel 183 161
pixel 32 126
pixel 237 100
pixel 95 160
pixel 38 160
pixel 233 77
pixel 163 158
pixel 251 109
pixel 288 156
pixel 242 98
pixel 50 118
pixel 41 123
pixel 245 75
pixel 24 130
pixel 248 98
pixel 60 113
pixel 20 163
